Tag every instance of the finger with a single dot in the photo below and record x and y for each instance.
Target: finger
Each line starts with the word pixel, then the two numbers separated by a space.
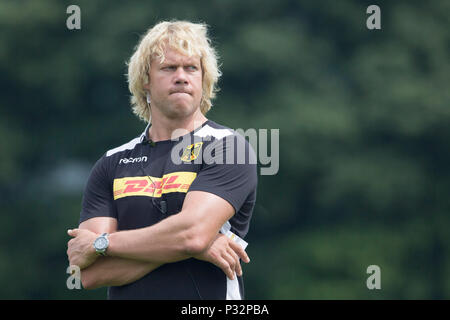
pixel 230 259
pixel 72 232
pixel 225 266
pixel 71 258
pixel 231 262
pixel 226 269
pixel 237 264
pixel 239 251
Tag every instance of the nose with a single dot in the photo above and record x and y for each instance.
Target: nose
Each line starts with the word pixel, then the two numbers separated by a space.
pixel 180 76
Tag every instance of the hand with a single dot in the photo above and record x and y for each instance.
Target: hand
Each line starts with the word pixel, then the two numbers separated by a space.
pixel 80 249
pixel 225 254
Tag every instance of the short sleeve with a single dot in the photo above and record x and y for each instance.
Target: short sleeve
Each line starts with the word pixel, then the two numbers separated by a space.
pixel 229 171
pixel 98 195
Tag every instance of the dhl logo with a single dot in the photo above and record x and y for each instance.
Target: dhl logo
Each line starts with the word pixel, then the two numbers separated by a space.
pixel 143 186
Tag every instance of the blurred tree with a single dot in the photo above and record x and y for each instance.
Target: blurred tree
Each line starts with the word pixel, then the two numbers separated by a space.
pixel 364 126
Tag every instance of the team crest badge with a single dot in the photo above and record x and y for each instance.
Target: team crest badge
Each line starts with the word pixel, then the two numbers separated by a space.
pixel 191 152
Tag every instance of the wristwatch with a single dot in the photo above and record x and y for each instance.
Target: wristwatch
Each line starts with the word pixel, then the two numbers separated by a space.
pixel 101 244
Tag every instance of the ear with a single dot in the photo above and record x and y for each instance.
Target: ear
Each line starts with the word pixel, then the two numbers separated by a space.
pixel 146 80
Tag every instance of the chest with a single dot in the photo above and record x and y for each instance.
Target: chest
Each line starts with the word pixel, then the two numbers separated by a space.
pixel 149 186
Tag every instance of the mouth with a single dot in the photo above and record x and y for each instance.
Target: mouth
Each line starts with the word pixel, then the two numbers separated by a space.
pixel 179 92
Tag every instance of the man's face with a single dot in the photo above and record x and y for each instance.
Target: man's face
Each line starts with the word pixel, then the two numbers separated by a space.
pixel 176 84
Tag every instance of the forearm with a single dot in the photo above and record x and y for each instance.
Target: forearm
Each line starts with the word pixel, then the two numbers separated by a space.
pixel 112 271
pixel 173 239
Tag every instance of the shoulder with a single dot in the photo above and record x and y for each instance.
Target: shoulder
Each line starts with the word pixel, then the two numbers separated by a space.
pixel 214 130
pixel 110 158
pixel 130 145
pixel 221 137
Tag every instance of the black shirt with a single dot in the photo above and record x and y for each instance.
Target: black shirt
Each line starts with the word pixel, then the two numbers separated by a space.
pixel 142 182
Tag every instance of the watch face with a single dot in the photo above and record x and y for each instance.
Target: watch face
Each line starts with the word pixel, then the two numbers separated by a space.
pixel 100 243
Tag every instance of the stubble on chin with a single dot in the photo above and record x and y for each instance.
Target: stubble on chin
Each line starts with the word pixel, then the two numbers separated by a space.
pixel 179 110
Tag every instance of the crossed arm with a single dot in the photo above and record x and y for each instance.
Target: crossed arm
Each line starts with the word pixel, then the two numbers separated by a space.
pixel 194 232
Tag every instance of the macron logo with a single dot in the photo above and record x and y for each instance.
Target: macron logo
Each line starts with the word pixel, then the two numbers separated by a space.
pixel 133 160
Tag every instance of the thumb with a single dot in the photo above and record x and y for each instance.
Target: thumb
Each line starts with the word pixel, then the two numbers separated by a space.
pixel 72 232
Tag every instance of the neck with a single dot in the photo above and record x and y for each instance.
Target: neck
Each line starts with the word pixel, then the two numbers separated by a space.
pixel 163 128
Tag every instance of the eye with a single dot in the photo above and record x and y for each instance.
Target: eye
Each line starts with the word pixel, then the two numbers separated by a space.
pixel 192 68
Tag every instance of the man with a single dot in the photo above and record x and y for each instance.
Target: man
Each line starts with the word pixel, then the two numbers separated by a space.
pixel 163 216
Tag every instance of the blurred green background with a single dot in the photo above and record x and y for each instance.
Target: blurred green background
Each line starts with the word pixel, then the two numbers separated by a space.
pixel 364 119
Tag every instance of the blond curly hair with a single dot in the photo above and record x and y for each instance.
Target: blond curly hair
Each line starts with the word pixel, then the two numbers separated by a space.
pixel 187 38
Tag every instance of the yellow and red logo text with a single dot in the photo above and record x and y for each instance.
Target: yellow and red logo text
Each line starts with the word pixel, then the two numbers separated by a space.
pixel 153 186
